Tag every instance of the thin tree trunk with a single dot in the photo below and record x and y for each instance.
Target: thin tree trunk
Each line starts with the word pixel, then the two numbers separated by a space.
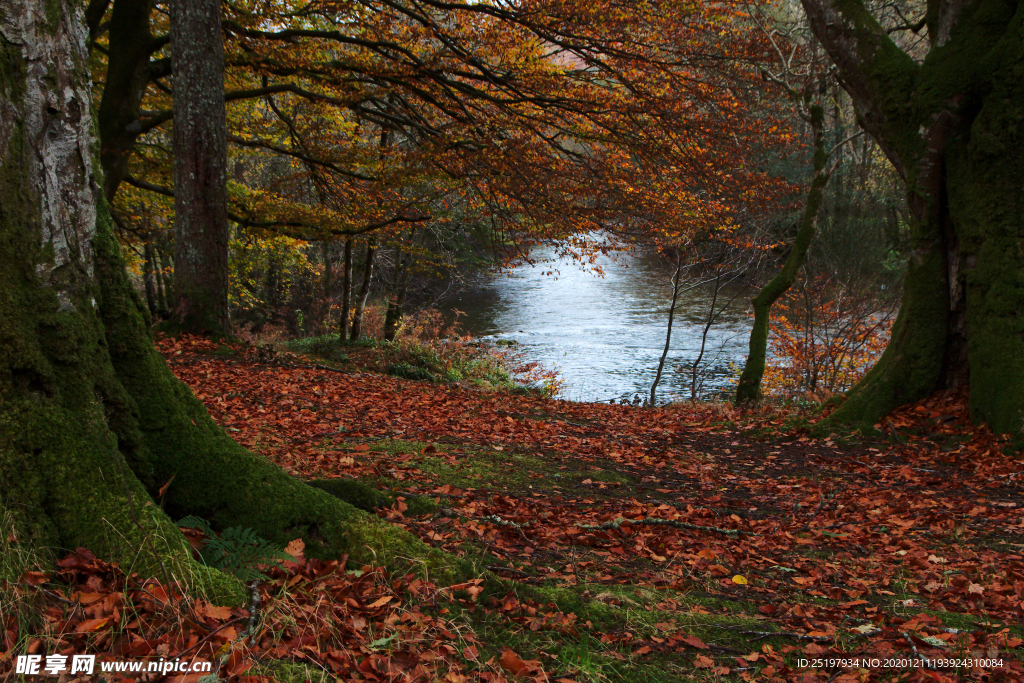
pixel 165 291
pixel 749 388
pixel 364 289
pixel 396 307
pixel 668 330
pixel 200 169
pixel 704 335
pixel 346 291
pixel 159 278
pixel 149 276
pixel 399 288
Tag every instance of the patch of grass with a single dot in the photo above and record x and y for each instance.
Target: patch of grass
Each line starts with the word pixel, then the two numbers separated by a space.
pixel 17 600
pixel 284 671
pixel 436 360
pixel 576 651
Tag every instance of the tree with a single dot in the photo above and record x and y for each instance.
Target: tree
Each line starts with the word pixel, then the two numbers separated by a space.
pixel 200 169
pixel 93 424
pixel 809 103
pixel 947 116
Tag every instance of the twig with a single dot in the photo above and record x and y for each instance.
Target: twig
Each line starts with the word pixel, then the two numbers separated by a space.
pixel 786 634
pixel 895 433
pixel 821 505
pixel 859 462
pixel 254 609
pixel 722 648
pixel 617 523
pixel 924 662
pixel 209 635
pixel 511 570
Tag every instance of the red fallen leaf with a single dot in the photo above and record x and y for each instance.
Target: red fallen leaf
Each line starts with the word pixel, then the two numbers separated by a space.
pixel 702 662
pixel 694 641
pixel 87 598
pixel 92 624
pixel 295 547
pixel 380 602
pixel 163 489
pixel 34 578
pixel 642 650
pixel 470 652
pixel 215 612
pixel 853 603
pixel 513 663
pixel 80 559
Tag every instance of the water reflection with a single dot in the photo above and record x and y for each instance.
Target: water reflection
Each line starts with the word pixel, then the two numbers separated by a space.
pixel 605 335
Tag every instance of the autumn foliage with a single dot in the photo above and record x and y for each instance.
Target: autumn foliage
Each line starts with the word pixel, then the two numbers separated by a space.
pixel 824 337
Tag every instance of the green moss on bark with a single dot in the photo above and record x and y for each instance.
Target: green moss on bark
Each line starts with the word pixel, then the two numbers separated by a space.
pixel 912 365
pixel 986 165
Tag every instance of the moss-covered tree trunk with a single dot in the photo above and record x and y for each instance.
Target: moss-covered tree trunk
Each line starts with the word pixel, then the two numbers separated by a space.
pixel 749 388
pixel 952 126
pixel 92 422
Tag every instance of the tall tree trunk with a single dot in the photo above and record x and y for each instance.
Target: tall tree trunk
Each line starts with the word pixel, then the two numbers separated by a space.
pixel 92 421
pixel 346 291
pixel 129 71
pixel 364 289
pixel 200 169
pixel 695 367
pixel 749 388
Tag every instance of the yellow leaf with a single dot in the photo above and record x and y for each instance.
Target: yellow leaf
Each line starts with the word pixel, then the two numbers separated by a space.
pixel 741 580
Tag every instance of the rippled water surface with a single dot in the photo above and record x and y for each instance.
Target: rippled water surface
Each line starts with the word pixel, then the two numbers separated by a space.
pixel 605 334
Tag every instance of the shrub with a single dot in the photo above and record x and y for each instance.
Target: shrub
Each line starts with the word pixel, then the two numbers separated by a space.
pixel 825 336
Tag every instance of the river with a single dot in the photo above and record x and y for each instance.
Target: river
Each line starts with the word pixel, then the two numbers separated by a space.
pixel 606 334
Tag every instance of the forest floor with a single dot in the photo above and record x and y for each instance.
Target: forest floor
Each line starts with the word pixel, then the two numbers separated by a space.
pixel 690 543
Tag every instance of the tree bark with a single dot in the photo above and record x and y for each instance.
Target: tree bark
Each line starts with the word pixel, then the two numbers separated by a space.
pixel 399 289
pixel 92 421
pixel 129 71
pixel 149 276
pixel 668 330
pixel 346 291
pixel 364 289
pixel 749 388
pixel 200 169
pixel 947 126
